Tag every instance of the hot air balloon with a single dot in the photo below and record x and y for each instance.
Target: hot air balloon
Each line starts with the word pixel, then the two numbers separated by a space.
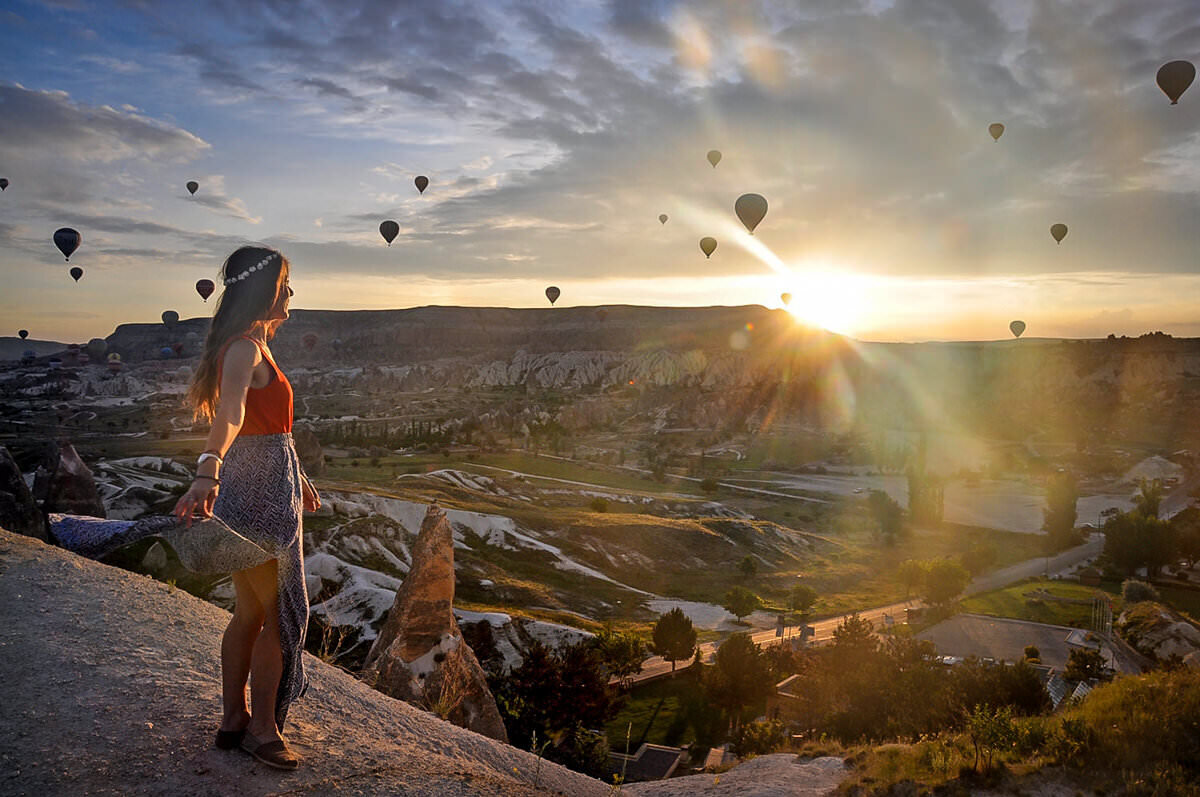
pixel 115 366
pixel 177 348
pixel 76 273
pixel 422 182
pixel 22 333
pixel 1059 231
pixel 170 318
pixel 389 230
pixel 96 348
pixel 67 240
pixel 192 337
pixel 662 217
pixel 205 288
pixel 708 246
pixel 996 129
pixel 714 157
pixel 3 183
pixel 786 298
pixel 114 358
pixel 750 208
pixel 1017 327
pixel 193 187
pixel 337 344
pixel 552 293
pixel 165 352
pixel 310 341
pixel 1174 78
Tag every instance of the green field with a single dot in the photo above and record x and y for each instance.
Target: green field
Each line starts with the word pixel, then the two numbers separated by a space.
pixel 1015 603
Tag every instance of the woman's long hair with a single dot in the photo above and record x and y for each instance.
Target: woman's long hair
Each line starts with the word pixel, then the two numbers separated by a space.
pixel 244 308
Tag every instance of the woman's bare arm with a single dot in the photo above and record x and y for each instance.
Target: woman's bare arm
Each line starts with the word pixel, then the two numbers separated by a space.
pixel 241 358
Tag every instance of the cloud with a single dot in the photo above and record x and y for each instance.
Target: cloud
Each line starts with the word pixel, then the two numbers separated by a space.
pixel 39 122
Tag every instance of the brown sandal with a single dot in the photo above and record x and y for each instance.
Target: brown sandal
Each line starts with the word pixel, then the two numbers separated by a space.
pixel 274 753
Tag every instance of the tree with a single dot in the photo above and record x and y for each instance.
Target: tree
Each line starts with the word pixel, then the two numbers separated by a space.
pixel 1032 653
pixel 748 567
pixel 674 637
pixel 1149 497
pixel 622 654
pixel 911 574
pixel 887 514
pixel 739 677
pixel 1059 516
pixel 1133 540
pixel 926 496
pixel 854 638
pixel 1084 664
pixel 991 730
pixel 740 602
pixel 945 579
pixel 1186 527
pixel 801 600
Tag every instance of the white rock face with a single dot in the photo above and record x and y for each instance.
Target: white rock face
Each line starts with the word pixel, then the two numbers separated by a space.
pixel 776 775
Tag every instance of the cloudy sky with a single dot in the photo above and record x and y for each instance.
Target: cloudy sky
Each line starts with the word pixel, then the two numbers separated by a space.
pixel 554 134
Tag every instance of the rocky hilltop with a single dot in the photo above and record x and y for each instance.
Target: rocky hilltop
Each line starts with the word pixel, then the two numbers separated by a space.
pixel 110 685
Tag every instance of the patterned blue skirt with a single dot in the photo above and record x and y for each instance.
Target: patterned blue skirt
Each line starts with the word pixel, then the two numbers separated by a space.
pixel 258 516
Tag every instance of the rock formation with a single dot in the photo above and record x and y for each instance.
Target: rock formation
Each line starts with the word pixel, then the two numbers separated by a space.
pixel 420 655
pixel 18 509
pixel 63 483
pixel 308 448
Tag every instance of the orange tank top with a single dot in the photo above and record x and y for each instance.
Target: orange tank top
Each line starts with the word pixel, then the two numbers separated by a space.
pixel 268 408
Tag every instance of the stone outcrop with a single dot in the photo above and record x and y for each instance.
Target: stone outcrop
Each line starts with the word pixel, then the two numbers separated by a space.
pixel 63 483
pixel 420 655
pixel 110 685
pixel 18 509
pixel 308 448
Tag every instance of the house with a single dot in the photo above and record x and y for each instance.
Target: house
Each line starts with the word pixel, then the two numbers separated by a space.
pixel 1089 577
pixel 650 762
pixel 786 703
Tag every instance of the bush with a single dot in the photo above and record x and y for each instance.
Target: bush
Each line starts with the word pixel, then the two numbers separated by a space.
pixel 757 738
pixel 709 485
pixel 598 504
pixel 1134 591
pixel 1031 653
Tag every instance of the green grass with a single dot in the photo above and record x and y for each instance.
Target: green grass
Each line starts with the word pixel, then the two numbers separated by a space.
pixel 655 711
pixel 1012 602
pixel 1181 600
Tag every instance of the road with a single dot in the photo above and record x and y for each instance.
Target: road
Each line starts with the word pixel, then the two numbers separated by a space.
pixel 656 666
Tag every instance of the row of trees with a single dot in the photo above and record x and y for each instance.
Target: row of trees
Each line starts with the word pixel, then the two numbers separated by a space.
pixel 1139 538
pixel 937 581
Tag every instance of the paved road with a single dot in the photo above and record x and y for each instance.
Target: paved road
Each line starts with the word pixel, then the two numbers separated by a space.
pixel 657 667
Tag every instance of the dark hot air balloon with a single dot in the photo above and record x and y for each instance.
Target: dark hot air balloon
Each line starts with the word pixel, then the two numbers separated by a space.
pixel 177 348
pixel 310 341
pixel 67 240
pixel 1017 327
pixel 750 208
pixel 76 273
pixel 996 129
pixel 1174 78
pixel 23 333
pixel 205 288
pixel 422 182
pixel 1059 231
pixel 170 318
pixel 3 183
pixel 708 246
pixel 552 293
pixel 165 352
pixel 714 157
pixel 786 298
pixel 389 230
pixel 193 187
pixel 662 217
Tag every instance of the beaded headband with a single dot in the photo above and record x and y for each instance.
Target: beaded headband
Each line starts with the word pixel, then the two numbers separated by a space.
pixel 256 267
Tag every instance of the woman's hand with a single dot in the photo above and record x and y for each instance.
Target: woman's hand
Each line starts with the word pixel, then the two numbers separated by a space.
pixel 199 499
pixel 312 501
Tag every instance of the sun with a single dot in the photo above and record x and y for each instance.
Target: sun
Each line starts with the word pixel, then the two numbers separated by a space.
pixel 829 298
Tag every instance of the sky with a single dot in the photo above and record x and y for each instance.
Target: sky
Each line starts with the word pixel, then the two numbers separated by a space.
pixel 553 135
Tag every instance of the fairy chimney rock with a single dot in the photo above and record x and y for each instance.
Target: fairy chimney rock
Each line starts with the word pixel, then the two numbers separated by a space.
pixel 420 655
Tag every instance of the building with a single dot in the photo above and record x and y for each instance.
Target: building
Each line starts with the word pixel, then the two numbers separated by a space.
pixel 650 762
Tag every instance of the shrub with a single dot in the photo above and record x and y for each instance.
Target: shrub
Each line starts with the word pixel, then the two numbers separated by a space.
pixel 598 504
pixel 757 738
pixel 1134 591
pixel 709 485
pixel 1031 653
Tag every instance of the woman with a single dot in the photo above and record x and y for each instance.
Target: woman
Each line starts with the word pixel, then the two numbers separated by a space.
pixel 250 478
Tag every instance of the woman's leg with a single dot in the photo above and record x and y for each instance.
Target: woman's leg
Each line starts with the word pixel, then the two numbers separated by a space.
pixel 266 661
pixel 236 647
